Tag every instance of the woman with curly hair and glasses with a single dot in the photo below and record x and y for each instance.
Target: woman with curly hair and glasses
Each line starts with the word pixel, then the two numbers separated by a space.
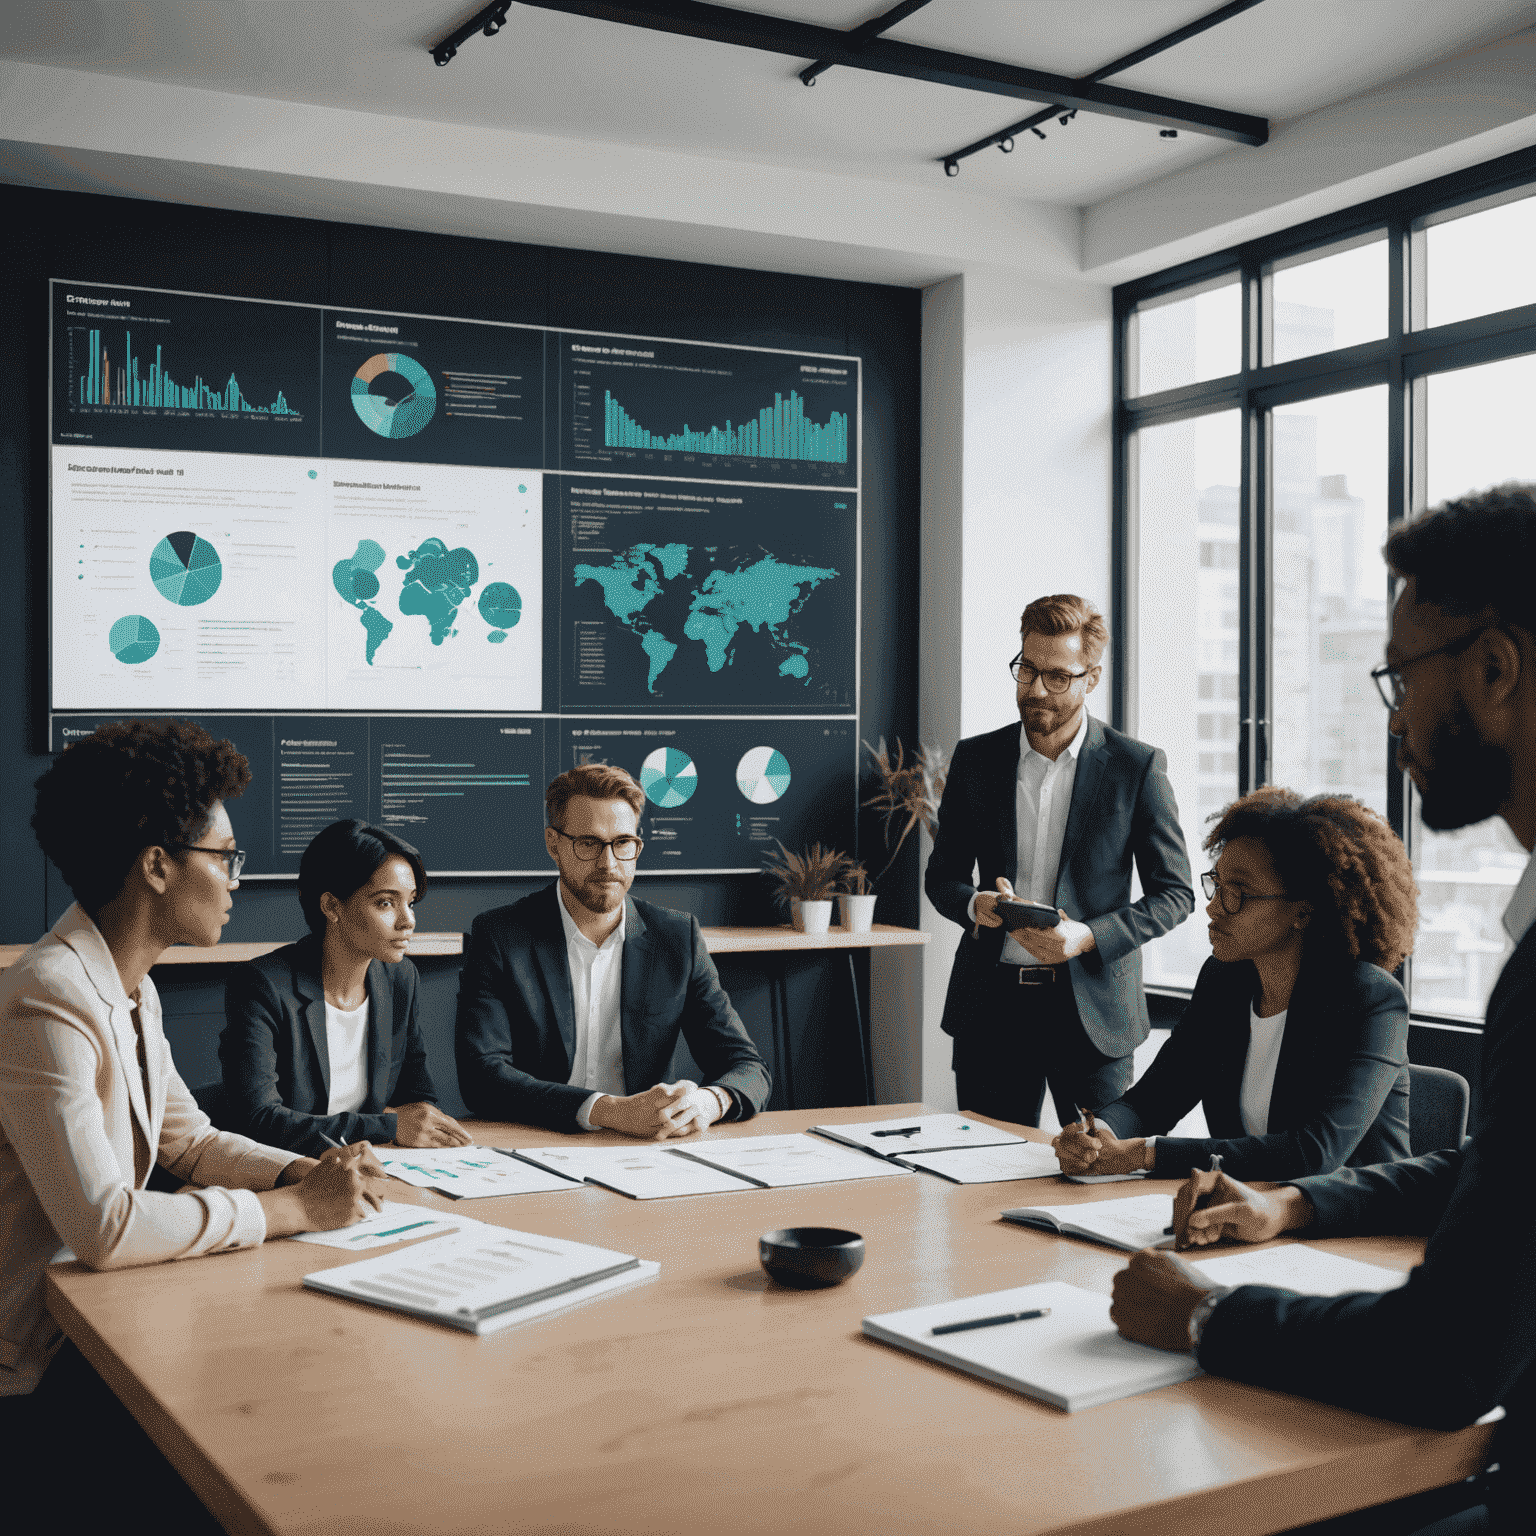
pixel 1295 1039
pixel 90 1101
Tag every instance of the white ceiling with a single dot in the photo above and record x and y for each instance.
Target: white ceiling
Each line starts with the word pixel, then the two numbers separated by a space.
pixel 595 82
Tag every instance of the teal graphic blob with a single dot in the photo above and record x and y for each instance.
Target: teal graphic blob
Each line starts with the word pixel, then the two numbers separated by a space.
pixel 668 778
pixel 185 569
pixel 763 775
pixel 437 581
pixel 393 395
pixel 500 605
pixel 355 580
pixel 751 589
pixel 133 639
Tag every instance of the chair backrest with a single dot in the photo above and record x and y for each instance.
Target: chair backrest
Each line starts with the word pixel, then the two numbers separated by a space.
pixel 1438 1100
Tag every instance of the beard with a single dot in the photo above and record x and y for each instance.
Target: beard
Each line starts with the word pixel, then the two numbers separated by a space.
pixel 1470 777
pixel 596 894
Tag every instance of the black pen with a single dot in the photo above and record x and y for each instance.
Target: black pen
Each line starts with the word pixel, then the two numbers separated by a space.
pixel 992 1322
pixel 909 1130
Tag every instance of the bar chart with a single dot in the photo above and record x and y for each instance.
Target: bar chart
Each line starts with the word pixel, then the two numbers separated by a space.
pixel 781 431
pixel 99 378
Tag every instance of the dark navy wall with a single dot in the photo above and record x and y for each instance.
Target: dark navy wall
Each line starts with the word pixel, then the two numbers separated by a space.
pixel 808 999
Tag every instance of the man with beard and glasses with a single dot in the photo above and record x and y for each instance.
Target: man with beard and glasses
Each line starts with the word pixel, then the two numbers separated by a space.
pixel 1460 1337
pixel 571 1000
pixel 1057 810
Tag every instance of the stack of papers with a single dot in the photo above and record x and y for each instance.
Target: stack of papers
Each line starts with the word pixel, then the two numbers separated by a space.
pixel 988 1165
pixel 956 1147
pixel 784 1162
pixel 642 1172
pixel 482 1279
pixel 1139 1221
pixel 1072 1359
pixel 468 1173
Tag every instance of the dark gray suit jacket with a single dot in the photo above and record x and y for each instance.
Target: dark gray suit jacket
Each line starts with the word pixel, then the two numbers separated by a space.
pixel 1341 1085
pixel 277 1069
pixel 515 1030
pixel 1460 1337
pixel 1122 812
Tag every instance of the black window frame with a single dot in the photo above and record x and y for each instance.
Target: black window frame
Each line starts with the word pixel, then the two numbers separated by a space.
pixel 1403 360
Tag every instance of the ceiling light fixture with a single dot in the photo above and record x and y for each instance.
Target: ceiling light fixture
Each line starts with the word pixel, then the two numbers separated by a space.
pixel 1167 133
pixel 1006 145
pixel 489 20
pixel 1037 133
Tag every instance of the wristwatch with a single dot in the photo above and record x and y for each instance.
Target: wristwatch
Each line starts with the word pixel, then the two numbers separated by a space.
pixel 1202 1314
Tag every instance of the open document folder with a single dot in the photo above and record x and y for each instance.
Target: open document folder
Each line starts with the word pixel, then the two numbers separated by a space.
pixel 482 1279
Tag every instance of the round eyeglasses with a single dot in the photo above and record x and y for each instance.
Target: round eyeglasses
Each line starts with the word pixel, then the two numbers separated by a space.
pixel 233 857
pixel 587 849
pixel 1232 896
pixel 1055 681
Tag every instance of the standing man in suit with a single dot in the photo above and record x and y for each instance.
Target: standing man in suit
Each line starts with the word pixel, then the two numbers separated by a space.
pixel 1056 809
pixel 571 1000
pixel 1460 1337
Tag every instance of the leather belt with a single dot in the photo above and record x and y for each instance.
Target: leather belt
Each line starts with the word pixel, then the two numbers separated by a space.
pixel 1033 975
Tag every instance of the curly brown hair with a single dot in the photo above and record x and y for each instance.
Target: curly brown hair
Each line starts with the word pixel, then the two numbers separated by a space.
pixel 128 786
pixel 1343 858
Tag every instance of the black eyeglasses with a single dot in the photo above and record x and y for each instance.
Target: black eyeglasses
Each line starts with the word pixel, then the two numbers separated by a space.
pixel 625 849
pixel 234 857
pixel 1055 682
pixel 1393 686
pixel 1232 896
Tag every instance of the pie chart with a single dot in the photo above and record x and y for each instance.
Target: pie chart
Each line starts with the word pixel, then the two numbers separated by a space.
pixel 133 639
pixel 668 777
pixel 762 775
pixel 393 395
pixel 185 569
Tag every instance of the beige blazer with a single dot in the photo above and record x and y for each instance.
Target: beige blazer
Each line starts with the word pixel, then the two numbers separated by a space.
pixel 78 1140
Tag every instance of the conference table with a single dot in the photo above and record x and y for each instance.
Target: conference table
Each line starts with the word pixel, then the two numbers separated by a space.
pixel 711 1397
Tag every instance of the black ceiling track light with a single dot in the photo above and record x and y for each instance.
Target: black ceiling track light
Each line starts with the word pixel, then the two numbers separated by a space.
pixel 864 47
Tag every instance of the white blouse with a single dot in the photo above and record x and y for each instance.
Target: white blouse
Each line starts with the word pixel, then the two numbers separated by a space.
pixel 1264 1040
pixel 346 1042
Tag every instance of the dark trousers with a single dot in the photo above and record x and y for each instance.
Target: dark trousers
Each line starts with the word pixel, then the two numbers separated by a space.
pixel 78 1462
pixel 1031 1036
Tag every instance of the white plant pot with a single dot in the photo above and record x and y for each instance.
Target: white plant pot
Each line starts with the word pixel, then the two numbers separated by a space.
pixel 858 912
pixel 810 916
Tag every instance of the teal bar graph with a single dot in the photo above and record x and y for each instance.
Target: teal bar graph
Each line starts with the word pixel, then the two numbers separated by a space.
pixel 782 431
pixel 130 382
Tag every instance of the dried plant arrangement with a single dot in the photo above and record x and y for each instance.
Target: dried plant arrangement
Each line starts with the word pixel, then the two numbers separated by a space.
pixel 856 881
pixel 908 792
pixel 812 875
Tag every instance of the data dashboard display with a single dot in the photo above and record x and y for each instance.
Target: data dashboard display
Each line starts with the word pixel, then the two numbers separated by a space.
pixel 404 560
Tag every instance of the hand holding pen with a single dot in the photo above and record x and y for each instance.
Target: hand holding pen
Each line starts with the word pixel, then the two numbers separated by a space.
pixel 1080 1144
pixel 1213 1206
pixel 359 1155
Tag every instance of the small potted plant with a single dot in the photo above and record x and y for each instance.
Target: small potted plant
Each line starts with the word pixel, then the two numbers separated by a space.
pixel 804 884
pixel 857 900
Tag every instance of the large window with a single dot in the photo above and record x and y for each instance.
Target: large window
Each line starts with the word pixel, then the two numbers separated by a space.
pixel 1280 406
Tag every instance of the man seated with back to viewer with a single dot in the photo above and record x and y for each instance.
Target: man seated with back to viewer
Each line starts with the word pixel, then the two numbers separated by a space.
pixel 571 1000
pixel 1460 1336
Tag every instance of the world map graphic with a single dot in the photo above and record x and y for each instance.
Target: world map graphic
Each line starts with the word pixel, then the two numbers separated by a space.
pixel 665 594
pixel 435 583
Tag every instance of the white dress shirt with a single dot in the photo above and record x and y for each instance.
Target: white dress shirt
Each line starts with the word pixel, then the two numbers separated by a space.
pixel 595 976
pixel 1042 796
pixel 346 1046
pixel 1265 1037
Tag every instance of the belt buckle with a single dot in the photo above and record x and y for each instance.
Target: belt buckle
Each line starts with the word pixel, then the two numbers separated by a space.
pixel 1036 975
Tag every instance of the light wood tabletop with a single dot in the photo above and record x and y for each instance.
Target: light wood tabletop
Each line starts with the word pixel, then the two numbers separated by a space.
pixel 710 1397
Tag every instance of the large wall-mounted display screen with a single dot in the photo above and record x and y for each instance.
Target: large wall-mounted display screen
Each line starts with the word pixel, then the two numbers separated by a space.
pixel 415 566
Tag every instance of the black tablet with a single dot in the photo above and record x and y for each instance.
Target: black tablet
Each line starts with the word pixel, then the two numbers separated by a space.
pixel 1018 913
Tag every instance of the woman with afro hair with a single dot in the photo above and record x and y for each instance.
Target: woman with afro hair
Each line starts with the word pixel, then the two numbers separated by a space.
pixel 1295 1039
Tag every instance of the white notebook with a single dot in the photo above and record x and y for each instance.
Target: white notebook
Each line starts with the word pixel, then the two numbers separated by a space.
pixel 1132 1223
pixel 987 1165
pixel 1072 1359
pixel 785 1162
pixel 1299 1267
pixel 642 1172
pixel 918 1133
pixel 468 1173
pixel 484 1278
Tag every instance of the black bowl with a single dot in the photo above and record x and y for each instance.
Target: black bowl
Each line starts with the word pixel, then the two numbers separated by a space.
pixel 809 1257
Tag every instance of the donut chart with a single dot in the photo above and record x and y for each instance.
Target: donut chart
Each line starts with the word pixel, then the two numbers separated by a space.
pixel 185 569
pixel 133 639
pixel 404 402
pixel 763 775
pixel 668 778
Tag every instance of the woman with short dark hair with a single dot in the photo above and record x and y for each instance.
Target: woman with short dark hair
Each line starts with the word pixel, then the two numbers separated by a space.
pixel 1296 1036
pixel 322 1039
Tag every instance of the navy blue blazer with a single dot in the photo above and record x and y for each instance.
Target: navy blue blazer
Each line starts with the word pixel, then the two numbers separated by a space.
pixel 277 1068
pixel 1340 1094
pixel 515 1030
pixel 1122 812
pixel 1460 1337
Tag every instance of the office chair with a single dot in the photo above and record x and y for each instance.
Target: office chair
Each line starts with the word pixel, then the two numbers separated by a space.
pixel 1438 1101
